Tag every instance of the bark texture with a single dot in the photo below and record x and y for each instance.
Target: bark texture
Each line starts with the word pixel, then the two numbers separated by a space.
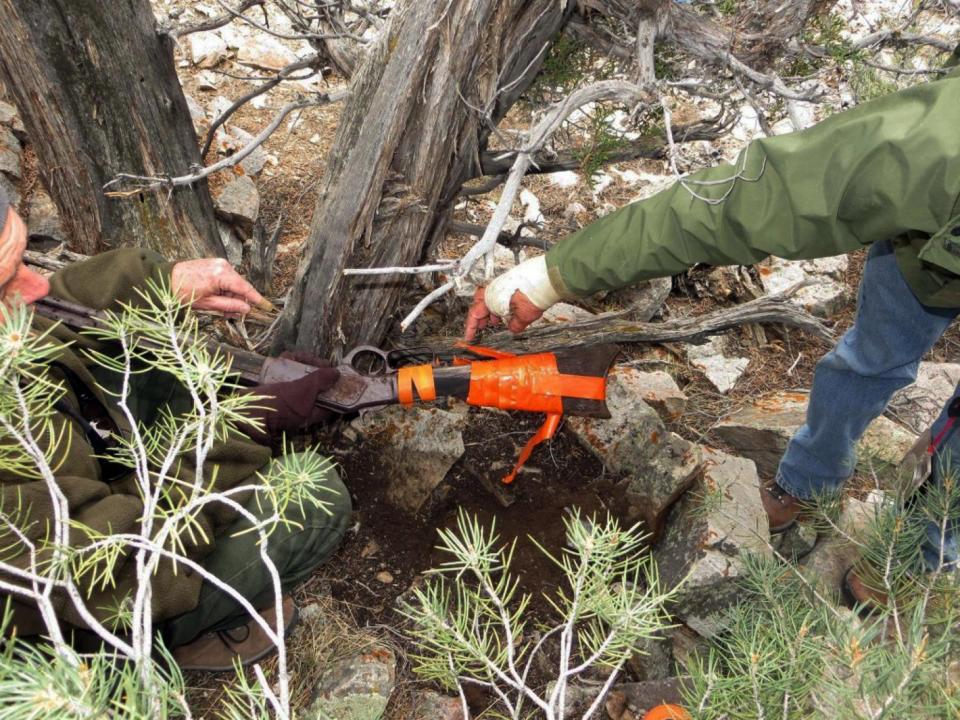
pixel 98 92
pixel 408 138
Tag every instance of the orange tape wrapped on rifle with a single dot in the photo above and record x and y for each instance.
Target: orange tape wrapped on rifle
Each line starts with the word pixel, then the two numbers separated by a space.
pixel 526 382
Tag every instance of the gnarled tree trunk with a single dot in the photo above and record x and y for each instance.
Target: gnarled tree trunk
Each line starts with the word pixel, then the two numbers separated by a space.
pixel 408 138
pixel 99 94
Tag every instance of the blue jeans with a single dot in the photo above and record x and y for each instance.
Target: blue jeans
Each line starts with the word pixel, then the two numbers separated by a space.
pixel 854 382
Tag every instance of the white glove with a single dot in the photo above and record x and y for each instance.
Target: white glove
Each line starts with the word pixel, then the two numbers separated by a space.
pixel 529 277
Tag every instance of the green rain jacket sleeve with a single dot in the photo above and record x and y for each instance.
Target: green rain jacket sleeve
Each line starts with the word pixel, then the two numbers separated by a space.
pixel 110 278
pixel 883 169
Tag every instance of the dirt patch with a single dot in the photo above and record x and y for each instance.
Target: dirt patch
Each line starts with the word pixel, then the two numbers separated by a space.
pixel 560 475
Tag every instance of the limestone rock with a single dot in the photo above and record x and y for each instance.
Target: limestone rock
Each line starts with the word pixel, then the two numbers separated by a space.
pixel 641 696
pixel 231 243
pixel 823 297
pixel 503 260
pixel 10 191
pixel 721 370
pixel 265 53
pixel 417 447
pixel 645 299
pixel 562 312
pixel 206 80
pixel 197 113
pixel 239 203
pixel 660 391
pixel 427 705
pixel 43 224
pixel 10 153
pixel 707 533
pixel 881 449
pixel 659 465
pixel 253 163
pixel 7 114
pixel 918 405
pixel 355 688
pixel 797 542
pixel 762 430
pixel 832 555
pixel 207 49
pixel 10 117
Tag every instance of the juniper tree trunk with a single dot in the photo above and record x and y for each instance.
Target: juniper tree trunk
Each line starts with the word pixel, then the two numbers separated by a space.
pixel 97 89
pixel 408 138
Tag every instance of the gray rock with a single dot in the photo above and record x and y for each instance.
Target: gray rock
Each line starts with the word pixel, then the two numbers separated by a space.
pixel 239 203
pixel 207 49
pixel 254 162
pixel 918 405
pixel 761 432
pixel 721 370
pixel 11 153
pixel 661 392
pixel 197 113
pixel 427 705
pixel 356 688
pixel 659 465
pixel 645 299
pixel 823 297
pixel 707 533
pixel 231 243
pixel 265 54
pixel 833 554
pixel 652 659
pixel 417 447
pixel 561 312
pixel 640 697
pixel 44 225
pixel 10 191
pixel 206 80
pixel 797 542
pixel 503 260
pixel 7 114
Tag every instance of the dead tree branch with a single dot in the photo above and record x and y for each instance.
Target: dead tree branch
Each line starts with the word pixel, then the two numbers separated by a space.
pixel 213 23
pixel 153 182
pixel 284 74
pixel 611 328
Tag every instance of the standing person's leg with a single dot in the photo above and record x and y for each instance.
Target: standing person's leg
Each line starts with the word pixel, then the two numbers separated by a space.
pixel 854 381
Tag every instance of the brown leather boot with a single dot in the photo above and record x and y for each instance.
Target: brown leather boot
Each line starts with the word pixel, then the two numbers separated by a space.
pixel 861 593
pixel 217 651
pixel 781 507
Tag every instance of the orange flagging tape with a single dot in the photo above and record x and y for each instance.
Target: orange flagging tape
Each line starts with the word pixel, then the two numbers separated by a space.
pixel 532 383
pixel 419 377
pixel 529 382
pixel 546 431
pixel 508 382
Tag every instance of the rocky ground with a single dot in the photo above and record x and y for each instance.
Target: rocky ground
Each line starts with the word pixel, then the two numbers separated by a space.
pixel 693 428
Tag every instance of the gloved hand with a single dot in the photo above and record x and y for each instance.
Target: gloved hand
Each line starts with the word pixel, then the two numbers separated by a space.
pixel 519 296
pixel 291 405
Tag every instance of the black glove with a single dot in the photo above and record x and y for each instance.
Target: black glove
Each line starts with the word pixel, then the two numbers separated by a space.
pixel 291 405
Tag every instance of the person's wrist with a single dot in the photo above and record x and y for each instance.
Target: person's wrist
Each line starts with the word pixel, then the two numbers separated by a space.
pixel 529 277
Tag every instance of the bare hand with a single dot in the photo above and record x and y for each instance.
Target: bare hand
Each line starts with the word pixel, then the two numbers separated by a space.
pixel 212 284
pixel 522 313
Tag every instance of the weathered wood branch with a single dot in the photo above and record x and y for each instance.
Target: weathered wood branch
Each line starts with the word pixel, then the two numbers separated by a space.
pixel 646 146
pixel 612 328
pixel 407 141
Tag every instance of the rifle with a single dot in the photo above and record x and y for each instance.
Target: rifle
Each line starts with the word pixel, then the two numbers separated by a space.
pixel 571 380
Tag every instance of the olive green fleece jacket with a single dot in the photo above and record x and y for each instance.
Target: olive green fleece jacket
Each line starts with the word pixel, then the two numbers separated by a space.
pixel 886 169
pixel 115 506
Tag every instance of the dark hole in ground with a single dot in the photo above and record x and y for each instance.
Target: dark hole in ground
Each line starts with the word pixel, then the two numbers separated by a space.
pixel 560 475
